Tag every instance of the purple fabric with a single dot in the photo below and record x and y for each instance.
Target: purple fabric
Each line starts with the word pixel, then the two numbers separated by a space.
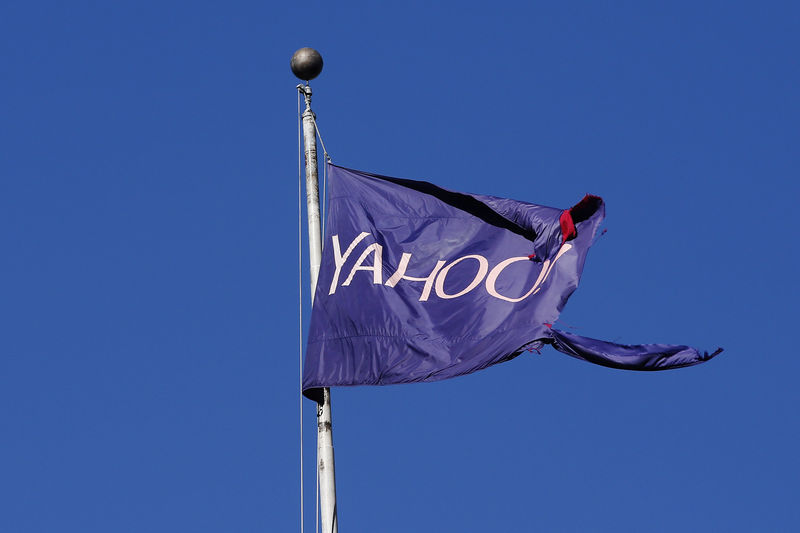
pixel 418 283
pixel 637 357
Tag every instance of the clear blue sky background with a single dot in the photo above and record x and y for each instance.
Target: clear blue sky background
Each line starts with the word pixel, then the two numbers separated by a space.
pixel 148 296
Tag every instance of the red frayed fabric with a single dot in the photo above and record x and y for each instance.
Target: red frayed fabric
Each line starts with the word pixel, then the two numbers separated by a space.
pixel 568 231
pixel 577 213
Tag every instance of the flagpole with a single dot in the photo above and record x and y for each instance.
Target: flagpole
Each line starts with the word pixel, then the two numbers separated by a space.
pixel 307 64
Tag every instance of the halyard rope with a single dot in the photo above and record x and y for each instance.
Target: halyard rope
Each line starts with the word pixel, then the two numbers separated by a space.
pixel 300 291
pixel 324 175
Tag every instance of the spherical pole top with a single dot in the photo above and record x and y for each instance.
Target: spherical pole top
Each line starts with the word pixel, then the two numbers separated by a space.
pixel 306 64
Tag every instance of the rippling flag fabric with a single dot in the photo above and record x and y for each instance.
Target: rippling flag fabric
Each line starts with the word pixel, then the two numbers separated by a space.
pixel 418 283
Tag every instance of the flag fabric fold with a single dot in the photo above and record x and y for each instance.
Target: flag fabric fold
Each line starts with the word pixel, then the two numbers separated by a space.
pixel 624 357
pixel 419 283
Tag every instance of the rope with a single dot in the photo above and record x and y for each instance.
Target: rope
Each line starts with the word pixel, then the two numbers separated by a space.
pixel 300 293
pixel 324 175
pixel 323 203
pixel 324 150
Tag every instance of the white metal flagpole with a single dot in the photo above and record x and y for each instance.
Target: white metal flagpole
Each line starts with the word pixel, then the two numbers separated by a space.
pixel 307 64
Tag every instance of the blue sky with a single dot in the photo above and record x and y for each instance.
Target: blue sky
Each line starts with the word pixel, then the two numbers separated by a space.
pixel 148 205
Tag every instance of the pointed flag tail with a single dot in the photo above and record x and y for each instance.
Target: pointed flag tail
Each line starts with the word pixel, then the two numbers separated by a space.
pixel 628 357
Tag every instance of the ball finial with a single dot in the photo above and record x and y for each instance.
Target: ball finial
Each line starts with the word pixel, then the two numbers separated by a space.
pixel 306 64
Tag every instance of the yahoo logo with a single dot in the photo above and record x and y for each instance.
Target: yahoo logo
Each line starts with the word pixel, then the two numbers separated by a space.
pixel 434 281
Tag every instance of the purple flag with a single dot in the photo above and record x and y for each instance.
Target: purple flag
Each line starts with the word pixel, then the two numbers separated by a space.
pixel 418 283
